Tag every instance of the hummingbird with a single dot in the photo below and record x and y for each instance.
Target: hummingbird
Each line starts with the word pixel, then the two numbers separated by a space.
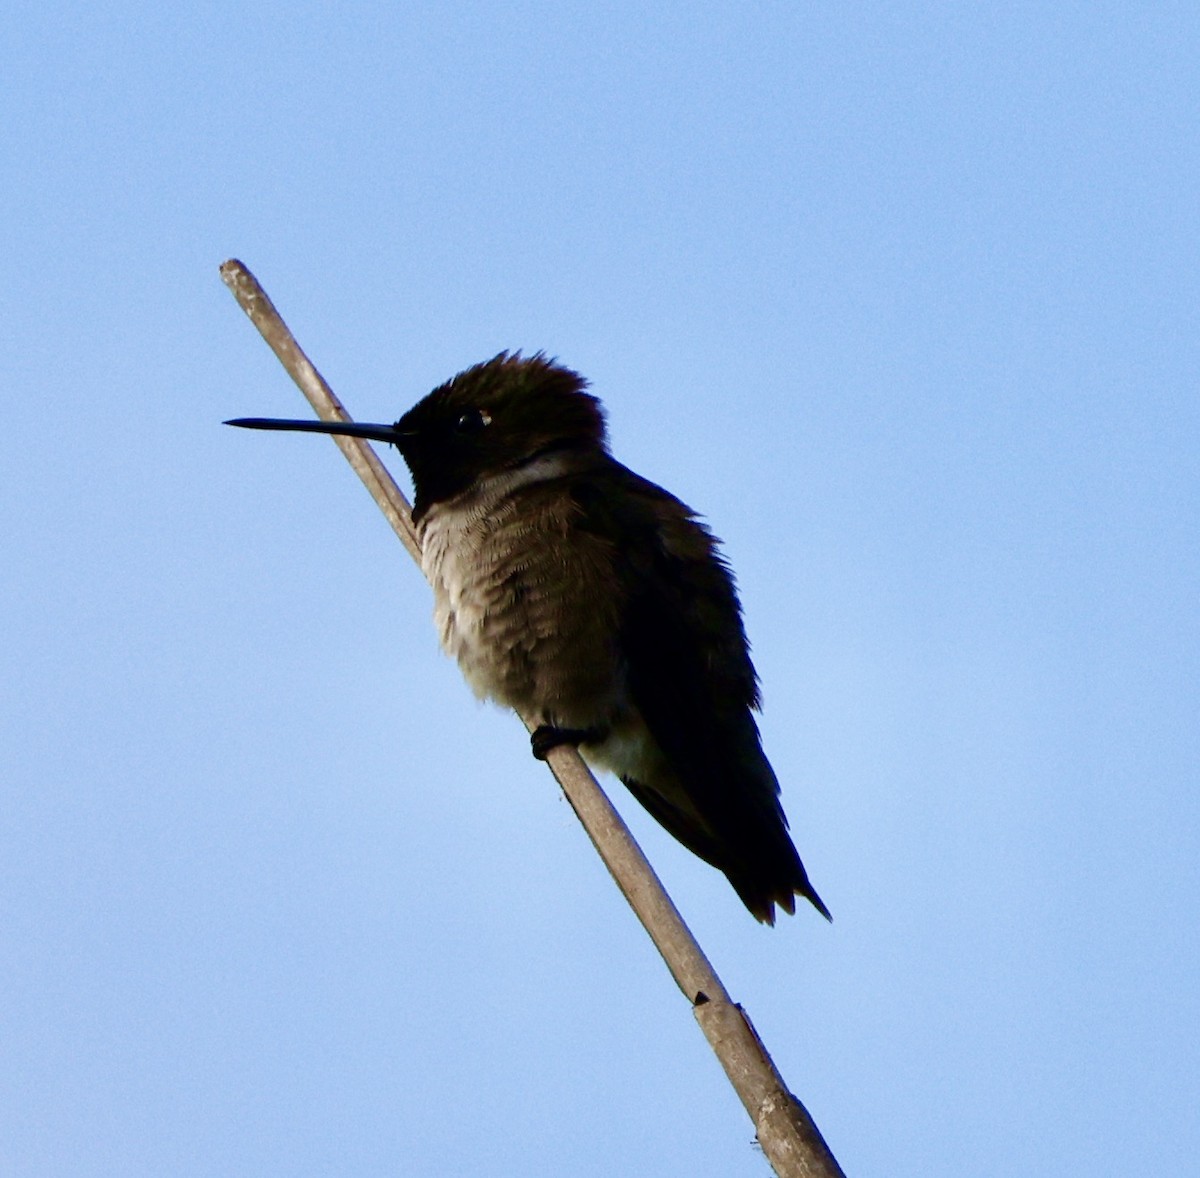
pixel 580 594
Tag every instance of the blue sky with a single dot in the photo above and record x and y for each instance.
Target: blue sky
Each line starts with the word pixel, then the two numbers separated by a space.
pixel 901 297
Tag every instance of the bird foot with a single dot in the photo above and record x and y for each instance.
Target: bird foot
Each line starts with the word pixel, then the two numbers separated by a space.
pixel 546 738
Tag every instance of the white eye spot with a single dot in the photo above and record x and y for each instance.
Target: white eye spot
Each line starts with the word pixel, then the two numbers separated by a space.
pixel 472 421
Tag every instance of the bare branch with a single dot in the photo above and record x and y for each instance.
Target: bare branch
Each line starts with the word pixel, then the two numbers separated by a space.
pixel 254 301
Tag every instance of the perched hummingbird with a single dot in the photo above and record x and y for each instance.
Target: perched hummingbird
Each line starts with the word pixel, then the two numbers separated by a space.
pixel 580 594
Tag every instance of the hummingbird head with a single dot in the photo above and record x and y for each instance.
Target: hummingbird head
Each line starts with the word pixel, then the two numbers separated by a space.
pixel 491 418
pixel 495 417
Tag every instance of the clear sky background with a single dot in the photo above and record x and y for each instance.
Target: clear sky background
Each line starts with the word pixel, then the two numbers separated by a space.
pixel 903 298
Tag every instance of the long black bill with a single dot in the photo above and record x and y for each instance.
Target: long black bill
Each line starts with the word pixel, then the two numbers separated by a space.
pixel 350 429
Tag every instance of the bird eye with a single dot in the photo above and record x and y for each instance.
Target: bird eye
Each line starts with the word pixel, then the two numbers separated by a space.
pixel 472 421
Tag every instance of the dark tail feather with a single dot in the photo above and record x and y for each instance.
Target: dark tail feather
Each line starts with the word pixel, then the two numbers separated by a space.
pixel 777 875
pixel 761 897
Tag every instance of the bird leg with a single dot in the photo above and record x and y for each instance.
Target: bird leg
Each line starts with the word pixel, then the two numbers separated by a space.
pixel 547 737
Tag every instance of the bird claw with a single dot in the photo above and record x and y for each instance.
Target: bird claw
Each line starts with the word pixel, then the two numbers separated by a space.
pixel 546 738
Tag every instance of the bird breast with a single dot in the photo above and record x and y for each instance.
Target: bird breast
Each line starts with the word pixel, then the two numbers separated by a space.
pixel 517 600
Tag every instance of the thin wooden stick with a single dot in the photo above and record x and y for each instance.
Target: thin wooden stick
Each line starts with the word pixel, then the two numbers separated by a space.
pixel 787 1134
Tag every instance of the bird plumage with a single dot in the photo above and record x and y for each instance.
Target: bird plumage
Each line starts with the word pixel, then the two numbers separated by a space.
pixel 572 589
pixel 580 593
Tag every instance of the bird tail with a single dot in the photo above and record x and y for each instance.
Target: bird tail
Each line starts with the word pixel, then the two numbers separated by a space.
pixel 760 895
pixel 765 870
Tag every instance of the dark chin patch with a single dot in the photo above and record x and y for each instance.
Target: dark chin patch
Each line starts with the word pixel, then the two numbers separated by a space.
pixel 427 493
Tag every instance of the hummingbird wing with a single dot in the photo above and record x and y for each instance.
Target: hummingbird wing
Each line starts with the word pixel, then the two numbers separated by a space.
pixel 690 677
